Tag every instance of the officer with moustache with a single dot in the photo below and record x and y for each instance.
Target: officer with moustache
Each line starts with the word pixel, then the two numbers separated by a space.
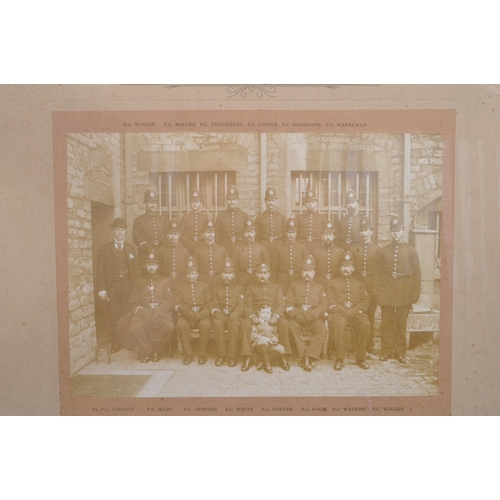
pixel 248 255
pixel 227 310
pixel 230 222
pixel 348 226
pixel 193 303
pixel 305 307
pixel 149 229
pixel 288 257
pixel 270 224
pixel 328 257
pixel 349 303
pixel 173 256
pixel 191 224
pixel 366 257
pixel 116 273
pixel 256 295
pixel 399 288
pixel 152 302
pixel 311 224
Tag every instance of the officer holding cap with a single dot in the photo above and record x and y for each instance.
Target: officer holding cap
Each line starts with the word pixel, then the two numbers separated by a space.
pixel 191 224
pixel 399 288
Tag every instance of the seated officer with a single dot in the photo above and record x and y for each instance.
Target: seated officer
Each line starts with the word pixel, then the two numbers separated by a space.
pixel 152 302
pixel 192 302
pixel 306 306
pixel 349 304
pixel 227 304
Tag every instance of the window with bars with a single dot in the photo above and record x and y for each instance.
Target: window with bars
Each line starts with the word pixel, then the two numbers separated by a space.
pixel 175 188
pixel 331 188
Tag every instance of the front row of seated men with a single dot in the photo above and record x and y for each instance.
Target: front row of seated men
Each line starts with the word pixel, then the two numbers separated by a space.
pixel 257 320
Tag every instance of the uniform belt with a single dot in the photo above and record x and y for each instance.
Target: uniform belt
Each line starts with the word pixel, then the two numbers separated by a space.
pixel 364 274
pixel 196 309
pixel 268 238
pixel 291 272
pixel 120 276
pixel 398 276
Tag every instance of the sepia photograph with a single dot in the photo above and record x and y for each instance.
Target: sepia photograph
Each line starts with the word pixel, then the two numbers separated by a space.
pixel 270 264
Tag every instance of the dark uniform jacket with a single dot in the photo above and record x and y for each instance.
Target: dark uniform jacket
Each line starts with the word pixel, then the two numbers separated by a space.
pixel 172 260
pixel 196 296
pixel 311 225
pixel 229 225
pixel 347 296
pixel 288 258
pixel 247 256
pixel 306 297
pixel 191 227
pixel 210 259
pixel 269 293
pixel 366 260
pixel 229 299
pixel 152 292
pixel 270 226
pixel 328 259
pixel 348 230
pixel 149 229
pixel 400 275
pixel 108 265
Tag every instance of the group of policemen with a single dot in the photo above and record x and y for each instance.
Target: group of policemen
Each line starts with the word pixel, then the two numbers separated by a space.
pixel 214 277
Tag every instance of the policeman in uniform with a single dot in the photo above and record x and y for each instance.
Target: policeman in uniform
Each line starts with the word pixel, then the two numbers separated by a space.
pixel 152 302
pixel 192 223
pixel 248 255
pixel 270 224
pixel 209 255
pixel 173 256
pixel 328 257
pixel 117 270
pixel 349 303
pixel 366 255
pixel 256 295
pixel 399 288
pixel 288 257
pixel 348 226
pixel 305 307
pixel 149 229
pixel 227 310
pixel 193 302
pixel 230 222
pixel 311 224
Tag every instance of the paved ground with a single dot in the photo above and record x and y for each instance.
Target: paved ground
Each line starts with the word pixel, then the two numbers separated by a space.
pixel 170 378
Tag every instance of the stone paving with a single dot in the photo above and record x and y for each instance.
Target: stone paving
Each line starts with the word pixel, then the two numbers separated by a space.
pixel 170 378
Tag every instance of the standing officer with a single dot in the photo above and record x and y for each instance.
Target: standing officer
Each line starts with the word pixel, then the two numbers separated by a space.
pixel 256 295
pixel 210 255
pixel 348 226
pixel 328 257
pixel 192 223
pixel 270 224
pixel 349 302
pixel 149 229
pixel 230 222
pixel 366 256
pixel 173 256
pixel 152 302
pixel 311 224
pixel 306 306
pixel 248 255
pixel 227 303
pixel 116 272
pixel 192 302
pixel 288 257
pixel 399 288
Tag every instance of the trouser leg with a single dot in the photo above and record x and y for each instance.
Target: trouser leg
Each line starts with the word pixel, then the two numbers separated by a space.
pixel 246 341
pixel 337 327
pixel 233 328
pixel 371 318
pixel 138 330
pixel 388 333
pixel 402 313
pixel 296 332
pixel 204 327
pixel 318 335
pixel 218 329
pixel 362 326
pixel 182 329
pixel 283 337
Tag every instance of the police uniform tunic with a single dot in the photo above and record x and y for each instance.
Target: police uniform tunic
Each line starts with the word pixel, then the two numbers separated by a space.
pixel 173 260
pixel 287 263
pixel 210 258
pixel 328 260
pixel 229 228
pixel 348 231
pixel 399 287
pixel 148 233
pixel 310 232
pixel 255 296
pixel 151 324
pixel 196 298
pixel 228 303
pixel 349 303
pixel 270 227
pixel 247 256
pixel 307 299
pixel 191 226
pixel 366 258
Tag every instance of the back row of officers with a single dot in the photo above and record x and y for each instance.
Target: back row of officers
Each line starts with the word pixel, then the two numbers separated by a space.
pixel 257 284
